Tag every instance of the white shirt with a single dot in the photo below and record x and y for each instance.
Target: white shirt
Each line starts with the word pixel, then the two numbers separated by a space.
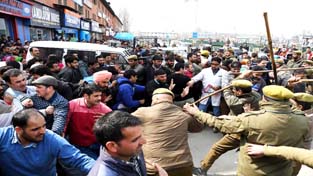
pixel 208 78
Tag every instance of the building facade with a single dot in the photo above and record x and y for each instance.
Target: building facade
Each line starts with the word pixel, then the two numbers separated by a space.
pixel 71 20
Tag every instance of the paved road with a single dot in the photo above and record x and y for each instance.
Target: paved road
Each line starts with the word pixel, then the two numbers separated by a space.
pixel 227 163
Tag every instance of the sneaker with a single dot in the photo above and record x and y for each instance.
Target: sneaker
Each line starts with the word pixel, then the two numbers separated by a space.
pixel 197 171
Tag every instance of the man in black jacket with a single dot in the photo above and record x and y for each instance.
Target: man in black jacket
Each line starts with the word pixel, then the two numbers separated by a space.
pixel 71 72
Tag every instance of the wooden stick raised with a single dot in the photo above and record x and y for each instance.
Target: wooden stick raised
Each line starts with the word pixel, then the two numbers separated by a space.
pixel 213 93
pixel 269 39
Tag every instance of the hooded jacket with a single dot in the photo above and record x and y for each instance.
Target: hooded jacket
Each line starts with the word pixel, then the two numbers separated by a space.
pixel 126 91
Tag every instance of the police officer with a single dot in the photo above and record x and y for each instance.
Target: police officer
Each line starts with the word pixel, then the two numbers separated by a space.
pixel 275 124
pixel 166 128
pixel 296 60
pixel 237 98
pixel 302 102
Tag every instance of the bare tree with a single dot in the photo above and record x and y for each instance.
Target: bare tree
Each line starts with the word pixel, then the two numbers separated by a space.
pixel 124 17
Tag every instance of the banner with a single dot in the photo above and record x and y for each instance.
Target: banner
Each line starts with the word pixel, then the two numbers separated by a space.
pixel 15 8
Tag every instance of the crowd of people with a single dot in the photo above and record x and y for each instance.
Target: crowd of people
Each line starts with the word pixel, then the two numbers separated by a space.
pixel 91 116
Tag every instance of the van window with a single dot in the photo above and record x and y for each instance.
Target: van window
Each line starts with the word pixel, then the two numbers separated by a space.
pixel 84 55
pixel 85 51
pixel 45 52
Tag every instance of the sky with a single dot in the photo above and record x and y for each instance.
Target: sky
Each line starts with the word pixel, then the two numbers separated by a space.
pixel 286 17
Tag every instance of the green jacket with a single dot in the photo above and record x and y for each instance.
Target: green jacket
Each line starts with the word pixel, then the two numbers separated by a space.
pixel 276 124
pixel 236 103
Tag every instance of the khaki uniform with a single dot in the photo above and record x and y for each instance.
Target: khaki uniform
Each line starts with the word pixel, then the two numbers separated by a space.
pixel 236 104
pixel 165 127
pixel 291 153
pixel 231 141
pixel 292 64
pixel 275 124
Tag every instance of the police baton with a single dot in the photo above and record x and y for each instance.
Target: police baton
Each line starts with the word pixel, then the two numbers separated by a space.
pixel 269 39
pixel 285 69
pixel 211 94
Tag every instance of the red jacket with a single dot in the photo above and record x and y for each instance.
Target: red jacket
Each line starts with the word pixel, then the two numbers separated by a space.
pixel 80 121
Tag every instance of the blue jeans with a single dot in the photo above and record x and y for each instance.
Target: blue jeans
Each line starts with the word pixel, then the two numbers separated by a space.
pixel 216 109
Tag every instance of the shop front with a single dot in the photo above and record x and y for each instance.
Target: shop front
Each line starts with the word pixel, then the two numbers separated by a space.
pixel 14 19
pixel 43 23
pixel 84 33
pixel 70 26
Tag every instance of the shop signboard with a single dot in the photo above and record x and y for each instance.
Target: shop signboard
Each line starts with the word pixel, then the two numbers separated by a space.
pixel 71 19
pixel 85 25
pixel 15 8
pixel 43 16
pixel 95 27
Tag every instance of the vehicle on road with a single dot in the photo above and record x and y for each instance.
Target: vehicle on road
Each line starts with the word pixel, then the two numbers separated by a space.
pixel 91 50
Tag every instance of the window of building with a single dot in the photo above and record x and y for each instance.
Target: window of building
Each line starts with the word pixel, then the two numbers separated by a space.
pixel 40 34
pixel 87 14
pixel 95 2
pixel 80 9
pixel 65 2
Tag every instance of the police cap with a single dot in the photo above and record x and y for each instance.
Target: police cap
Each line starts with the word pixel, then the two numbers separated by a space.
pixel 242 83
pixel 163 91
pixel 304 97
pixel 278 93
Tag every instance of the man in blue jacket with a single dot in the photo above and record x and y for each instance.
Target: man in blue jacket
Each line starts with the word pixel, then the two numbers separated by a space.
pixel 28 148
pixel 126 89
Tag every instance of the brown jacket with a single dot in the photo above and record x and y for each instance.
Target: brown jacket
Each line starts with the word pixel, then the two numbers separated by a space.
pixel 166 129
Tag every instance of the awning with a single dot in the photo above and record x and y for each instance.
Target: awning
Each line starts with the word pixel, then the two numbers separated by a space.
pixel 126 36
